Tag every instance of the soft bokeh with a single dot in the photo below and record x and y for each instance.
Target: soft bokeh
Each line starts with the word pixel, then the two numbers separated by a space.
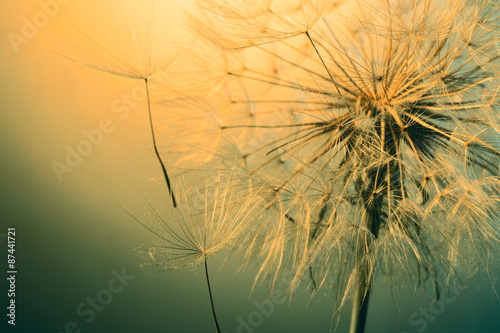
pixel 72 234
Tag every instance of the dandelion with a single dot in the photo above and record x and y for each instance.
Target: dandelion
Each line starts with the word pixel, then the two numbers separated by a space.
pixel 196 234
pixel 375 149
pixel 242 23
pixel 146 51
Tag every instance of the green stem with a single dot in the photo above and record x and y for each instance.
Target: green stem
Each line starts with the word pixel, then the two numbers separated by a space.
pixel 361 300
pixel 364 278
pixel 217 328
pixel 165 174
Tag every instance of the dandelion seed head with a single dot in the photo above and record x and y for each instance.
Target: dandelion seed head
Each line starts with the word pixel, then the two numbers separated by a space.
pixel 366 135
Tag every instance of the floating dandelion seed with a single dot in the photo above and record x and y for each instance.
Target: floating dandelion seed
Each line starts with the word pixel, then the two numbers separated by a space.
pixel 374 139
pixel 194 234
pixel 146 50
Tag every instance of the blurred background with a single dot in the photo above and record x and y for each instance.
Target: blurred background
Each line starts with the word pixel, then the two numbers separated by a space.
pixel 72 234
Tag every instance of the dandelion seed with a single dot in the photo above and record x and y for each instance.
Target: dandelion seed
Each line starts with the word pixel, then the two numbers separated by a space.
pixel 142 52
pixel 197 234
pixel 237 24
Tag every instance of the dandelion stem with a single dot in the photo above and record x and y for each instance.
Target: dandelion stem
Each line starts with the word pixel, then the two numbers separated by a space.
pixel 360 303
pixel 156 149
pixel 363 283
pixel 217 328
